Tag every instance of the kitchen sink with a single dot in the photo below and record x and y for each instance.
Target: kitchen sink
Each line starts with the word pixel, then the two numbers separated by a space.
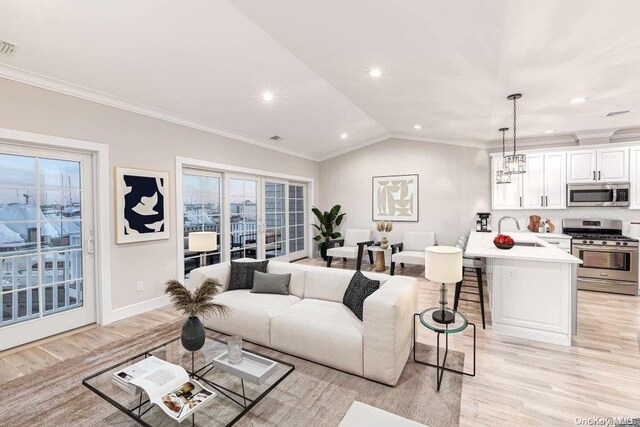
pixel 529 244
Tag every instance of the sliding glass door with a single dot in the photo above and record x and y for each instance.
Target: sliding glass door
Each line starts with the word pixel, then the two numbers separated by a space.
pixel 46 243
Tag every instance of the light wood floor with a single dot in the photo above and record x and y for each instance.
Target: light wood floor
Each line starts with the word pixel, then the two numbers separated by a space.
pixel 518 382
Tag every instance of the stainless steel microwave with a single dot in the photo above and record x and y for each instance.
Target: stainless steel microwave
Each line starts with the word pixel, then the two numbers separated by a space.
pixel 598 194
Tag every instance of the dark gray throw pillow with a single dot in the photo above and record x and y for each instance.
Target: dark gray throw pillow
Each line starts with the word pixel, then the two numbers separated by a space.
pixel 242 273
pixel 360 287
pixel 270 283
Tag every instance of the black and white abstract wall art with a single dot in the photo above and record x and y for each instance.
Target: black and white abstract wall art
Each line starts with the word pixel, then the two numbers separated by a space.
pixel 395 198
pixel 142 205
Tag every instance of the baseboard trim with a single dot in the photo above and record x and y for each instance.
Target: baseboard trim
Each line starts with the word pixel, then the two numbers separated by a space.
pixel 138 308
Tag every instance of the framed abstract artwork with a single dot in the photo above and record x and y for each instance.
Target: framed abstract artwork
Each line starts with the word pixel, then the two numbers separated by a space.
pixel 142 205
pixel 395 198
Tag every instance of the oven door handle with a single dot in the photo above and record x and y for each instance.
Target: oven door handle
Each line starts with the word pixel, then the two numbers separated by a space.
pixel 607 248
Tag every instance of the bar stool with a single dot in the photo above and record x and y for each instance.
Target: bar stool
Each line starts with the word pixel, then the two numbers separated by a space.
pixel 476 264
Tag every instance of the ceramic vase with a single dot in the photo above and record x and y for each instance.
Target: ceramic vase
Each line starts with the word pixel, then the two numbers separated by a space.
pixel 384 242
pixel 192 336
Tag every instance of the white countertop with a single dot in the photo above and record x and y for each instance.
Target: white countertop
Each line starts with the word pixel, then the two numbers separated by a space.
pixel 551 235
pixel 481 245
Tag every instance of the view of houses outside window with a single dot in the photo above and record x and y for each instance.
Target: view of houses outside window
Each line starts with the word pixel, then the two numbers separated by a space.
pixel 201 208
pixel 40 237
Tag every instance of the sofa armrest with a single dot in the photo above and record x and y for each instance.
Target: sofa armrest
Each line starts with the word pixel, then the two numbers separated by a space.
pixel 221 272
pixel 387 328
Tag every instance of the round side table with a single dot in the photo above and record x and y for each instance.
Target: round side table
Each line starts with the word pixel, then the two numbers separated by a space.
pixel 380 265
pixel 459 324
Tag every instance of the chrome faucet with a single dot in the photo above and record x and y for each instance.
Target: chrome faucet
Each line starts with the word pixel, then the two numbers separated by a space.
pixel 507 217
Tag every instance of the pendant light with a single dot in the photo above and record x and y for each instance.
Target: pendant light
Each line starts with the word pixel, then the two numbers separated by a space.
pixel 515 163
pixel 503 177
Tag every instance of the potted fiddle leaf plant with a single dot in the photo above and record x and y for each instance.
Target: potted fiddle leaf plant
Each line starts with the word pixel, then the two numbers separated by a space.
pixel 194 304
pixel 328 221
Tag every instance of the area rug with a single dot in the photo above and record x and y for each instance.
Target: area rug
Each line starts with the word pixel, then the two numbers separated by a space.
pixel 311 395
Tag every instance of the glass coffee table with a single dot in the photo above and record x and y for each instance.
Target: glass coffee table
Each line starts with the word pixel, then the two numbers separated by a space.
pixel 234 396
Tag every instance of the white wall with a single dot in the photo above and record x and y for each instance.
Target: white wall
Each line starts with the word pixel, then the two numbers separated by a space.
pixel 141 142
pixel 454 185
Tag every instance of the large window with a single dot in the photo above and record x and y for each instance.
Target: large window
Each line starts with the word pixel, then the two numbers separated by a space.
pixel 275 219
pixel 243 217
pixel 202 212
pixel 296 220
pixel 40 237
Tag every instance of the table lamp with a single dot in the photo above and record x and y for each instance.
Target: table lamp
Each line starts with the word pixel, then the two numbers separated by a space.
pixel 203 241
pixel 443 264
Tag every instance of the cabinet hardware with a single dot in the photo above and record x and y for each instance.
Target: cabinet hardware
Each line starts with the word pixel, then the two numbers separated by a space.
pixel 546 201
pixel 594 175
pixel 542 201
pixel 598 175
pixel 520 201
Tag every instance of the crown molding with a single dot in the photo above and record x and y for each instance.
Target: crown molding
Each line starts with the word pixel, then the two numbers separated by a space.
pixel 34 79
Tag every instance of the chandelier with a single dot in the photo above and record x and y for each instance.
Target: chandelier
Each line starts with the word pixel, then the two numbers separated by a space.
pixel 515 163
pixel 503 177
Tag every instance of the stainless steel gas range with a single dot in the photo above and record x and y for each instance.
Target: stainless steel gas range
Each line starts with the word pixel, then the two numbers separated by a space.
pixel 610 260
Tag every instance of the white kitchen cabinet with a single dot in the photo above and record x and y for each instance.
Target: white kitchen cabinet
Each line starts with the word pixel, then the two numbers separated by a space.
pixel 581 166
pixel 634 177
pixel 505 196
pixel 601 165
pixel 533 182
pixel 613 164
pixel 555 181
pixel 544 184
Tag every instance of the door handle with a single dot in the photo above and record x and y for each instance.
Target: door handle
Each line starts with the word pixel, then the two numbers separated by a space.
pixel 599 175
pixel 594 175
pixel 542 201
pixel 546 201
pixel 520 201
pixel 91 243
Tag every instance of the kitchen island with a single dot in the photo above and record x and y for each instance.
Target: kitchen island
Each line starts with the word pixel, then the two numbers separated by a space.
pixel 532 287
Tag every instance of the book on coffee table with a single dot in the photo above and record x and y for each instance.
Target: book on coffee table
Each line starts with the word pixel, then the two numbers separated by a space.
pixel 167 386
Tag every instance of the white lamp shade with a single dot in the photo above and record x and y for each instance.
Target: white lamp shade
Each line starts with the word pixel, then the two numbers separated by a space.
pixel 203 241
pixel 443 264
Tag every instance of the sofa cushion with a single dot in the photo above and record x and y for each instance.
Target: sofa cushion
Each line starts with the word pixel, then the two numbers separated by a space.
pixel 251 315
pixel 350 252
pixel 323 331
pixel 242 273
pixel 329 284
pixel 270 283
pixel 410 257
pixel 360 287
pixel 297 271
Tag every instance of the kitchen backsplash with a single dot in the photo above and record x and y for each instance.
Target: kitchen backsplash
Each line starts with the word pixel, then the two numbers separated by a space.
pixel 556 216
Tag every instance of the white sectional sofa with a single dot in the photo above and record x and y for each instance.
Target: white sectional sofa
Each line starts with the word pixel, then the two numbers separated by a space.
pixel 312 323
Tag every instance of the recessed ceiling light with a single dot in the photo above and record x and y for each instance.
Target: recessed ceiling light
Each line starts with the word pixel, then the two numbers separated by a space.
pixel 578 100
pixel 344 135
pixel 550 131
pixel 417 127
pixel 267 96
pixel 375 72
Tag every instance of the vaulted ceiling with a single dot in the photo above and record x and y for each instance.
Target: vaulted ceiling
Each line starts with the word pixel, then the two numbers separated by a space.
pixel 446 65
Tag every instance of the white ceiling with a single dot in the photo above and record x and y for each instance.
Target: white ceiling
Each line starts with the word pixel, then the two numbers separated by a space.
pixel 447 66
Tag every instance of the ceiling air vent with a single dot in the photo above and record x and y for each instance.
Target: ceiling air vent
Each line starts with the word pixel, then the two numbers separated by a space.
pixel 617 113
pixel 7 48
pixel 276 138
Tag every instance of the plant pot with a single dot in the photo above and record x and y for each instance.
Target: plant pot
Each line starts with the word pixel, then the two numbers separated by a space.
pixel 323 250
pixel 193 335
